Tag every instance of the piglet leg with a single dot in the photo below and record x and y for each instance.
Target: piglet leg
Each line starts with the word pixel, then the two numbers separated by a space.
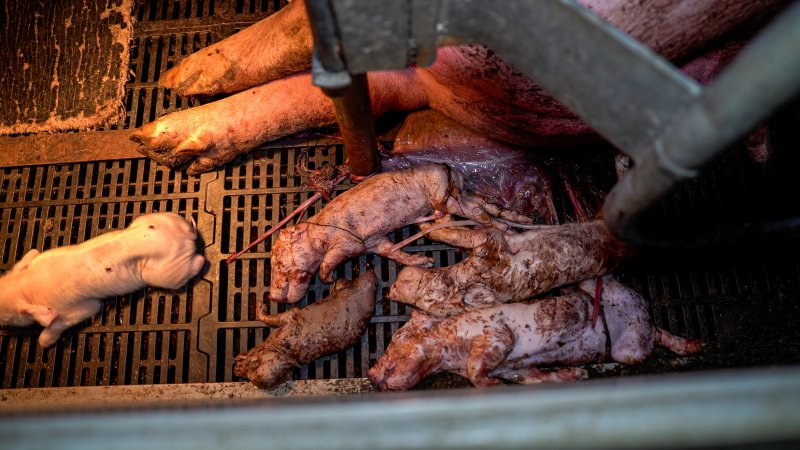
pixel 462 237
pixel 677 344
pixel 26 260
pixel 74 316
pixel 43 315
pixel 275 321
pixel 496 211
pixel 385 246
pixel 532 375
pixel 486 352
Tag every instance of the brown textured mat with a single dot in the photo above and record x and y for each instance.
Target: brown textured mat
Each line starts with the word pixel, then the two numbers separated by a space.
pixel 66 64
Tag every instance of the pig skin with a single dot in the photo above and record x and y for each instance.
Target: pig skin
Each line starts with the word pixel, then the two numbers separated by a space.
pixel 504 266
pixel 62 287
pixel 303 335
pixel 470 84
pixel 511 342
pixel 358 221
pixel 507 177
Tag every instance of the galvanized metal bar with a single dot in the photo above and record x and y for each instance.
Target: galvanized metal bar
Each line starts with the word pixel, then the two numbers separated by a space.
pixel 381 29
pixel 763 77
pixel 323 28
pixel 744 408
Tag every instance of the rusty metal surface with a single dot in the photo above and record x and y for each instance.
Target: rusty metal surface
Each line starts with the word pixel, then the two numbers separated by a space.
pixel 46 399
pixel 354 116
pixel 66 148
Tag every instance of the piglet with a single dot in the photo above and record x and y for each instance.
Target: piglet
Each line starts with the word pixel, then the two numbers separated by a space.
pixel 303 335
pixel 505 266
pixel 514 341
pixel 358 220
pixel 62 287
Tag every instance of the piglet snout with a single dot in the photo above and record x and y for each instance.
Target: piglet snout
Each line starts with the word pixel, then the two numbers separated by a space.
pixel 172 258
pixel 407 284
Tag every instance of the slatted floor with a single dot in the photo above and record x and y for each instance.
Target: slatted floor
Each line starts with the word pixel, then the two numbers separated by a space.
pixel 744 302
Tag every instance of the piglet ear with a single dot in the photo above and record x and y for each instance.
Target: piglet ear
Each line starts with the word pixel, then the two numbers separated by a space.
pixel 26 260
pixel 341 284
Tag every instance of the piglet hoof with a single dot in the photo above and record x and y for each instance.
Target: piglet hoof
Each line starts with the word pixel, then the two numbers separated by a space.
pixel 47 339
pixel 241 366
pixel 419 261
pixel 262 313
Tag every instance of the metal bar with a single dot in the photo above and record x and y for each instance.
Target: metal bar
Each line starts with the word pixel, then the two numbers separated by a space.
pixel 350 94
pixel 323 28
pixel 69 398
pixel 356 125
pixel 66 147
pixel 617 85
pixel 742 408
pixel 764 76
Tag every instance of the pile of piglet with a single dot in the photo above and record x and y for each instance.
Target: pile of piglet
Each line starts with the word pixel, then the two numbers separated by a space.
pixel 475 318
pixel 480 191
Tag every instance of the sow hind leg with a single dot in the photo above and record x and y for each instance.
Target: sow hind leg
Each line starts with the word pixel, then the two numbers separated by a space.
pixel 275 47
pixel 217 132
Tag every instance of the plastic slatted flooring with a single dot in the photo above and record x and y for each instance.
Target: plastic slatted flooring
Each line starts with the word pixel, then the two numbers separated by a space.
pixel 744 307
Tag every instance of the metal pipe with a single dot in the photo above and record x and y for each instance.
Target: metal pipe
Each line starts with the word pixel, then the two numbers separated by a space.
pixel 737 409
pixel 631 96
pixel 350 94
pixel 323 28
pixel 357 126
pixel 761 79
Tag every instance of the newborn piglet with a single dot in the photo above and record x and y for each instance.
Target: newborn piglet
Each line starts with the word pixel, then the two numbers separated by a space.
pixel 513 341
pixel 505 266
pixel 62 287
pixel 358 220
pixel 303 335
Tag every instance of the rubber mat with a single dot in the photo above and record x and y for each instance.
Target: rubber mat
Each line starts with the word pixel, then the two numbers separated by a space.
pixel 65 64
pixel 742 300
